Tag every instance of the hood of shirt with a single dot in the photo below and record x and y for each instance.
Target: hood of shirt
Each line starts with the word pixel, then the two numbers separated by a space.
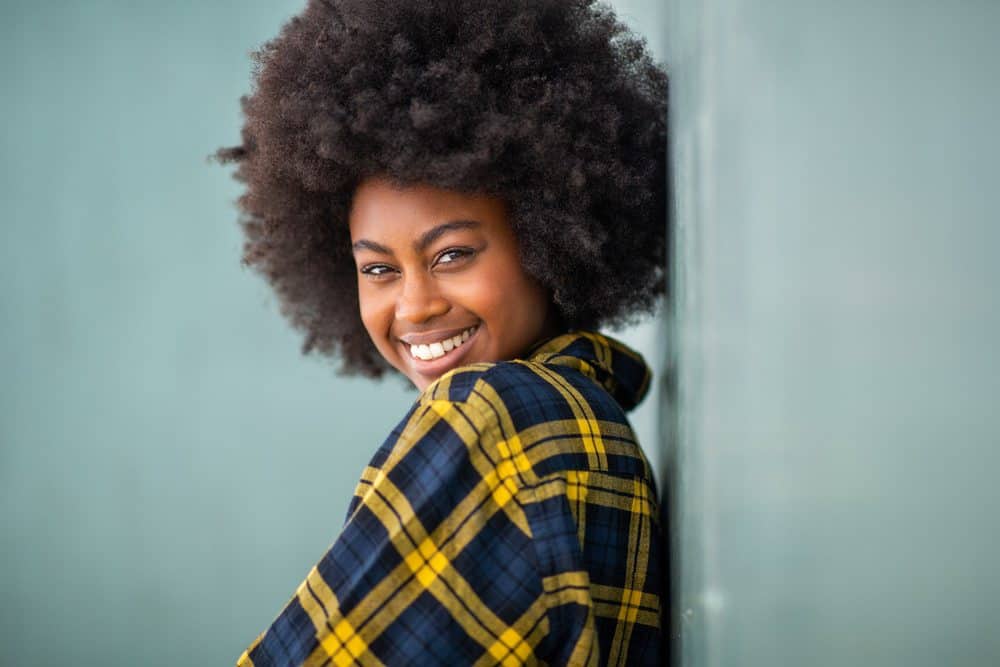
pixel 615 366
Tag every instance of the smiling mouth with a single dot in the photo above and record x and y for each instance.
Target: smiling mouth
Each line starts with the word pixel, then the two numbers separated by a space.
pixel 442 348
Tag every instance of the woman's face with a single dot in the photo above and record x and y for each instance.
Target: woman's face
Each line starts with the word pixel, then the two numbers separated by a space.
pixel 440 282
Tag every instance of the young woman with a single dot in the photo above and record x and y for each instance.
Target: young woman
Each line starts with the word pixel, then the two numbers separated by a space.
pixel 462 192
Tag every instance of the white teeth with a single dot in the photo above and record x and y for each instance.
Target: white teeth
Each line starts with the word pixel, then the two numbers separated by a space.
pixel 438 350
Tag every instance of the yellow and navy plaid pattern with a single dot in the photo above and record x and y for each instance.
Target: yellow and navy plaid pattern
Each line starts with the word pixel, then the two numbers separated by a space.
pixel 509 519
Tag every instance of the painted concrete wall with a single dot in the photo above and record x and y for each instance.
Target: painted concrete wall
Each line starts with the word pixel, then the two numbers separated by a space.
pixel 833 446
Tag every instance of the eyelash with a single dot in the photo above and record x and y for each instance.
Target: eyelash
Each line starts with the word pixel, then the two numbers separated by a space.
pixel 372 270
pixel 375 271
pixel 461 252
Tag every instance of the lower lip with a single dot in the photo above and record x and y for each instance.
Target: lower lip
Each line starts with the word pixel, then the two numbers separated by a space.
pixel 436 367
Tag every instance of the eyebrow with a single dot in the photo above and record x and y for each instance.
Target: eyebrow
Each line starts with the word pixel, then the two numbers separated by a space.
pixel 427 238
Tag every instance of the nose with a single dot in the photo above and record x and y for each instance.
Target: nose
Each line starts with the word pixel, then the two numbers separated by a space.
pixel 420 300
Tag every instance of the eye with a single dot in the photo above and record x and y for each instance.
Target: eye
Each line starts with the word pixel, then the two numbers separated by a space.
pixel 377 271
pixel 454 255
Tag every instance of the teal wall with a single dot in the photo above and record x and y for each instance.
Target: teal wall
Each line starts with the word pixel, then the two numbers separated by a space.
pixel 835 440
pixel 170 466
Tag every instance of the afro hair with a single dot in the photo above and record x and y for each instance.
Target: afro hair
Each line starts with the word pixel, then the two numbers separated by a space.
pixel 551 105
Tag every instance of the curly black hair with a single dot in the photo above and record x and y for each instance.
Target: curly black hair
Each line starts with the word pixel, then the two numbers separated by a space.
pixel 551 105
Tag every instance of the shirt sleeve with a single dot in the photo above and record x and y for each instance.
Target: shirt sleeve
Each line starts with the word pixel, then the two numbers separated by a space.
pixel 597 538
pixel 435 564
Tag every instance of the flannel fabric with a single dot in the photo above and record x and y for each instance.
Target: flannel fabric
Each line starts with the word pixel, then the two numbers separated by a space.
pixel 510 518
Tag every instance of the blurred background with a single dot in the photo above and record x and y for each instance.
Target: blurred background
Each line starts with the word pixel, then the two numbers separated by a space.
pixel 824 424
pixel 170 465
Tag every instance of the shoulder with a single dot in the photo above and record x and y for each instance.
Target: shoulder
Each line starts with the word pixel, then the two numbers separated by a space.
pixel 527 392
pixel 558 416
pixel 516 380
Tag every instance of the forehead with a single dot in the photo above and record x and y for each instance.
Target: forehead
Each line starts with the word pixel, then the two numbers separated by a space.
pixel 381 208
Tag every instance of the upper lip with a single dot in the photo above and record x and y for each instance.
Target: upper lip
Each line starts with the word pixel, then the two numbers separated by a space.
pixel 432 336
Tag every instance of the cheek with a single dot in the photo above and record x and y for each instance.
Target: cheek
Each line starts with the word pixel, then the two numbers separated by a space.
pixel 373 315
pixel 510 303
pixel 486 297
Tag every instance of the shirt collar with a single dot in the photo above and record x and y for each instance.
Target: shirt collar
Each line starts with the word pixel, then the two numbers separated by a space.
pixel 615 366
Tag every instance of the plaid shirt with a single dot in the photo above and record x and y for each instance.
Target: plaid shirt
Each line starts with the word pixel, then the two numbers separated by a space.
pixel 510 518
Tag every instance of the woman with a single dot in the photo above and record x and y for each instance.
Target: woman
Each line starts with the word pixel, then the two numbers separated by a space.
pixel 462 191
